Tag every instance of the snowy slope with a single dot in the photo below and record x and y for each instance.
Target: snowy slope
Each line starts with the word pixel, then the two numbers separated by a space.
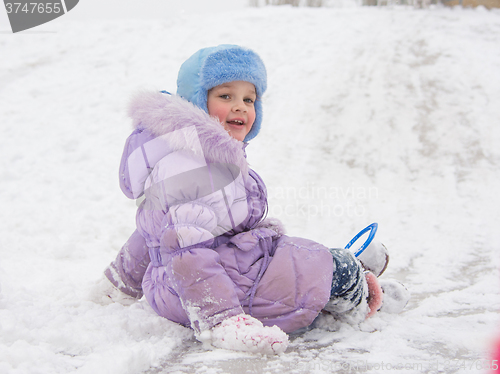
pixel 385 115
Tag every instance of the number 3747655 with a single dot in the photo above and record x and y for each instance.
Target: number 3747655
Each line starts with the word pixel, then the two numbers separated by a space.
pixel 33 8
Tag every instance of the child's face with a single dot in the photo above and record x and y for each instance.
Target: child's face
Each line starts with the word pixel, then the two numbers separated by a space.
pixel 233 104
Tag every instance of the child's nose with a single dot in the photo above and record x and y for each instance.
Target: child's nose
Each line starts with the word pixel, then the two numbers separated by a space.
pixel 239 105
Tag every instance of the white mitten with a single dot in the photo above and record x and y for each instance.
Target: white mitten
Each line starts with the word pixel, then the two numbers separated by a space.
pixel 104 292
pixel 247 334
pixel 396 296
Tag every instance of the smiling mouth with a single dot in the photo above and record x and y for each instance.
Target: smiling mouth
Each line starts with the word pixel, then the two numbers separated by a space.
pixel 236 122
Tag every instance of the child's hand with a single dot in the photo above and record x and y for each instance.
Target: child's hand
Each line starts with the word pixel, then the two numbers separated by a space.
pixel 245 333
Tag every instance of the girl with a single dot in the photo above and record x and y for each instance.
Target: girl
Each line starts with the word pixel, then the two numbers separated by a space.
pixel 204 254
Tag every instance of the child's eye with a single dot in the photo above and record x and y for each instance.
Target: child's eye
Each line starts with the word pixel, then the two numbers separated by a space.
pixel 250 101
pixel 224 96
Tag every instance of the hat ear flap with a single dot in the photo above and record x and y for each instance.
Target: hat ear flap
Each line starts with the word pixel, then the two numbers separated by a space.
pixel 200 99
pixel 258 121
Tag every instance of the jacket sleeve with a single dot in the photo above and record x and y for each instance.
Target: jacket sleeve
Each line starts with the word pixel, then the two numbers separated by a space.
pixel 189 202
pixel 141 152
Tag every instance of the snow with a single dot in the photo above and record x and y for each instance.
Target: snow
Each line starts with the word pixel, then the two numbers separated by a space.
pixel 385 115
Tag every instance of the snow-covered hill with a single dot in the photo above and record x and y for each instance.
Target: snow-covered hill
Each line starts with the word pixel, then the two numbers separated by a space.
pixel 385 115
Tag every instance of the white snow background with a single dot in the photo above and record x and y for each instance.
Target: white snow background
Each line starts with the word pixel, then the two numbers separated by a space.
pixel 387 115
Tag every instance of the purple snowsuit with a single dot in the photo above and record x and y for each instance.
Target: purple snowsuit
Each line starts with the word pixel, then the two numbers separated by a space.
pixel 203 250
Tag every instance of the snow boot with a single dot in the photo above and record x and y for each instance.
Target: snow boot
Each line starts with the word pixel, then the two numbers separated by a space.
pixel 247 334
pixel 375 258
pixel 104 292
pixel 372 254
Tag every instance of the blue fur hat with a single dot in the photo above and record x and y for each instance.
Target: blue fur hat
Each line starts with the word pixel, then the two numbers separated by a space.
pixel 210 67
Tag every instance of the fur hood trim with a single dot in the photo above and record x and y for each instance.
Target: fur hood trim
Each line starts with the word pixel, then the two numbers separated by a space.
pixel 161 114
